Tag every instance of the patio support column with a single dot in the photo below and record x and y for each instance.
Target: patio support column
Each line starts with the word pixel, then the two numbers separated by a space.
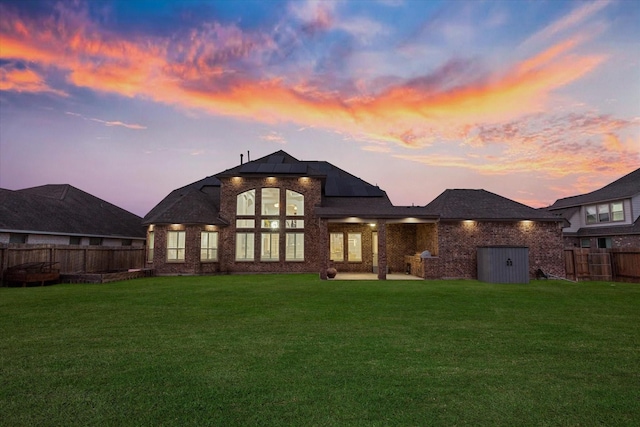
pixel 324 248
pixel 382 250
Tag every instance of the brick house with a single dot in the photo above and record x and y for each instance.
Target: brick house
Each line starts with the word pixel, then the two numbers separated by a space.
pixel 280 214
pixel 605 218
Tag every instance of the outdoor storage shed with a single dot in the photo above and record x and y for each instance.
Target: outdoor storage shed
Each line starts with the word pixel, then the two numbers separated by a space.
pixel 503 264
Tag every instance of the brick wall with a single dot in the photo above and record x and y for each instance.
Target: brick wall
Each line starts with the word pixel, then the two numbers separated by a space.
pixel 227 263
pixel 192 263
pixel 309 187
pixel 458 242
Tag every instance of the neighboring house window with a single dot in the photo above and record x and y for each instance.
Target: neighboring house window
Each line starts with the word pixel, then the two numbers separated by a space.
pixel 336 247
pixel 246 203
pixel 95 241
pixel 175 245
pixel 585 243
pixel 270 247
pixel 604 242
pixel 209 246
pixel 244 246
pixel 127 242
pixel 270 201
pixel 605 212
pixel 295 247
pixel 17 238
pixel 617 211
pixel 150 245
pixel 75 240
pixel 355 247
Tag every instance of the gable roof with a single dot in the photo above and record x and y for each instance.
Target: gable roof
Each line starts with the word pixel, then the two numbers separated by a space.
pixel 64 209
pixel 481 205
pixel 196 203
pixel 625 187
pixel 336 182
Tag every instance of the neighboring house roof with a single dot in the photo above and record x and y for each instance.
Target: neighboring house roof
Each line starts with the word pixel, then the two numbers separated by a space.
pixel 625 187
pixel 64 209
pixel 196 203
pixel 483 205
pixel 613 230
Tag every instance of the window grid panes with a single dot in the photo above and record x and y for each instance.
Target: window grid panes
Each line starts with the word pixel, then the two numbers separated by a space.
pixel 617 212
pixel 336 247
pixel 355 247
pixel 175 245
pixel 293 223
pixel 244 246
pixel 270 201
pixel 271 223
pixel 246 203
pixel 270 247
pixel 245 223
pixel 604 212
pixel 209 246
pixel 295 204
pixel 295 247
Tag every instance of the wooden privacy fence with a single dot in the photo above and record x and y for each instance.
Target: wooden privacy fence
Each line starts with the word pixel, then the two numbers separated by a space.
pixel 74 259
pixel 621 265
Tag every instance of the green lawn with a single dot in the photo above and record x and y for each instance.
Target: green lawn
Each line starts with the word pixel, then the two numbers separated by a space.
pixel 296 351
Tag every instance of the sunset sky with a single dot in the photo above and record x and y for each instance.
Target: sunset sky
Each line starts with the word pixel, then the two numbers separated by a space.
pixel 130 99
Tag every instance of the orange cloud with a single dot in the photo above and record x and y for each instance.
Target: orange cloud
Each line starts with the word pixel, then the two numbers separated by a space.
pixel 216 68
pixel 24 81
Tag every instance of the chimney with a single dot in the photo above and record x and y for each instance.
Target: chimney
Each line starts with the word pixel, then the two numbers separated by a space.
pixel 248 157
pixel 241 156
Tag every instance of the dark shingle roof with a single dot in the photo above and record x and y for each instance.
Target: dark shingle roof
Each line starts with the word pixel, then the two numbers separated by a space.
pixel 625 187
pixel 368 207
pixel 483 205
pixel 614 230
pixel 64 209
pixel 337 182
pixel 196 203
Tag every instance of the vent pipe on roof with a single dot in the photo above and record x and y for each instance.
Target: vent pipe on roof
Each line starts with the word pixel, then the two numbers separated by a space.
pixel 248 156
pixel 241 156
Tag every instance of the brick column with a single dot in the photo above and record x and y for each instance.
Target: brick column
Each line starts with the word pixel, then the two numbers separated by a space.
pixel 324 248
pixel 382 250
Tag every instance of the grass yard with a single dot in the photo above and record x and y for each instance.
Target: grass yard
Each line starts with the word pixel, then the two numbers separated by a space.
pixel 292 350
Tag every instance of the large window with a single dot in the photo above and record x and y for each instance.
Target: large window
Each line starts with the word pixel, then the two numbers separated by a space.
pixel 175 245
pixel 270 247
pixel 150 245
pixel 244 246
pixel 605 212
pixel 275 222
pixel 295 247
pixel 355 247
pixel 270 201
pixel 336 247
pixel 246 203
pixel 209 246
